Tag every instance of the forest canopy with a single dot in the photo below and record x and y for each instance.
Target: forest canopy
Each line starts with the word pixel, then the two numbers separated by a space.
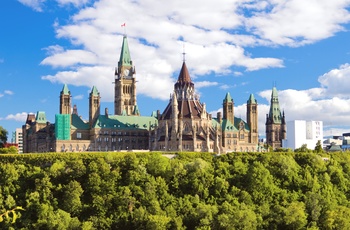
pixel 279 190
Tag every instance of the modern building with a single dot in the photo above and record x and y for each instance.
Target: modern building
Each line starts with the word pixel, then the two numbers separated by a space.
pixel 275 123
pixel 19 139
pixel 184 125
pixel 300 132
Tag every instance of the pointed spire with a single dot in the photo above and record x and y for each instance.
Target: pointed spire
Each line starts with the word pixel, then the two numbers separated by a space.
pixel 251 99
pixel 125 59
pixel 94 91
pixel 275 114
pixel 184 76
pixel 65 90
pixel 228 97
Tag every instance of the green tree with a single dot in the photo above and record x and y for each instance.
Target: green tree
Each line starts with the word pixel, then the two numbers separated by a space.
pixel 318 147
pixel 3 136
pixel 338 218
pixel 295 216
pixel 302 149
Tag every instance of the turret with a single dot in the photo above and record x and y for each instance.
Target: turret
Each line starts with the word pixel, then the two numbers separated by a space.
pixel 65 100
pixel 94 105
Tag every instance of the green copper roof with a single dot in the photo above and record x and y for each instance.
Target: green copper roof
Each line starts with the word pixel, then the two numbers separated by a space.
pixel 251 99
pixel 126 122
pixel 227 126
pixel 125 59
pixel 40 117
pixel 65 90
pixel 78 123
pixel 94 91
pixel 228 98
pixel 275 112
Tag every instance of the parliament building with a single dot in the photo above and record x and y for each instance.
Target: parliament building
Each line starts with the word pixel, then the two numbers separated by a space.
pixel 184 124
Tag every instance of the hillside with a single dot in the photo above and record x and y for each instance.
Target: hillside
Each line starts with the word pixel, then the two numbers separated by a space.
pixel 192 191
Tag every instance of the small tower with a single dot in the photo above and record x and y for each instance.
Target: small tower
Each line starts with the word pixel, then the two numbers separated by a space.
pixel 94 106
pixel 65 100
pixel 275 123
pixel 228 108
pixel 125 84
pixel 252 119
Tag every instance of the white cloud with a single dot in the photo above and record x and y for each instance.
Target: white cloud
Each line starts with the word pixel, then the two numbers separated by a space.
pixel 297 22
pixel 76 3
pixel 36 5
pixel 1 95
pixel 155 44
pixel 20 117
pixel 78 97
pixel 8 92
pixel 336 82
pixel 202 84
pixel 215 38
pixel 70 58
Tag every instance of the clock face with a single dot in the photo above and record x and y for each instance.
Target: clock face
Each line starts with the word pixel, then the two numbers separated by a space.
pixel 126 72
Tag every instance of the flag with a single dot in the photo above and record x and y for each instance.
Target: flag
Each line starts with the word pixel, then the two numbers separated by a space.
pixel 123 24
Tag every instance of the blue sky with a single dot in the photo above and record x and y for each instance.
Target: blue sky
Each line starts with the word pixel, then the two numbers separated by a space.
pixel 236 46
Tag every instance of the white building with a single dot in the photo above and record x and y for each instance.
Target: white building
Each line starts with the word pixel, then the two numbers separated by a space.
pixel 301 132
pixel 19 139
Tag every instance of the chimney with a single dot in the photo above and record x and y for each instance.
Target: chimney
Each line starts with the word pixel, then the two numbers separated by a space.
pixel 106 112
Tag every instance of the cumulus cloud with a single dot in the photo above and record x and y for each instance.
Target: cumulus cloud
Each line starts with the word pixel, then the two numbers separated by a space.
pixel 215 39
pixel 295 22
pixel 20 117
pixel 36 5
pixel 336 82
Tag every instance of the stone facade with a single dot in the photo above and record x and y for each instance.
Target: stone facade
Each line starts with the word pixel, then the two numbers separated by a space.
pixel 184 125
pixel 276 128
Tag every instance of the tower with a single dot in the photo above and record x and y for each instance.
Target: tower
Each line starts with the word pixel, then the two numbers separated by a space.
pixel 228 108
pixel 252 119
pixel 94 105
pixel 275 123
pixel 65 100
pixel 125 84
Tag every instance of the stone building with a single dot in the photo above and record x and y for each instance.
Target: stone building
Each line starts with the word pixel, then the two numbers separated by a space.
pixel 184 125
pixel 276 128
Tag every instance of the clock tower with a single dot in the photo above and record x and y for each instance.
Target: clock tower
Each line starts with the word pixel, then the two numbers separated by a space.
pixel 125 84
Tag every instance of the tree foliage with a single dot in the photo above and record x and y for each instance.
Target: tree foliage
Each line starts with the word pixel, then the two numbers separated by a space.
pixel 277 190
pixel 3 136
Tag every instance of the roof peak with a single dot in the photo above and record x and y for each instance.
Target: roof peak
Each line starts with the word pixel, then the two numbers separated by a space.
pixel 94 91
pixel 184 75
pixel 125 58
pixel 228 97
pixel 251 99
pixel 65 90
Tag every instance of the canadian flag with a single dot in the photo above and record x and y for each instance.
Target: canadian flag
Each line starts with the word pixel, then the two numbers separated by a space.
pixel 123 24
